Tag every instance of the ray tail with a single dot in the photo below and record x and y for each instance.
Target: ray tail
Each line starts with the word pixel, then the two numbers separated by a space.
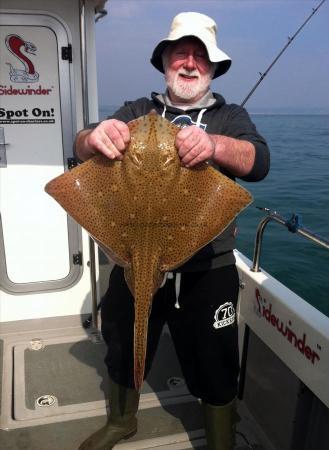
pixel 143 280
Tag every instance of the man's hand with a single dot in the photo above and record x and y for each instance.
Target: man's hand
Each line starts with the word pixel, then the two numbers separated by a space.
pixel 111 137
pixel 194 146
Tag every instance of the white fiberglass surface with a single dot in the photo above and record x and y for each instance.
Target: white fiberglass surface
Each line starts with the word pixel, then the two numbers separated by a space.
pixel 34 227
pixel 293 329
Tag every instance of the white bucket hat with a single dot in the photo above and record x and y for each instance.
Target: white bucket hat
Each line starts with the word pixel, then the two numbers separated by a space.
pixel 199 26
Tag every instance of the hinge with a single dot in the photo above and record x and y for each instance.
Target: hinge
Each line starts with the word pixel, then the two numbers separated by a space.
pixel 71 162
pixel 67 53
pixel 77 259
pixel 3 143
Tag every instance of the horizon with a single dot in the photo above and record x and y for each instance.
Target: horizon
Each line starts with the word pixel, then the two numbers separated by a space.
pixel 251 32
pixel 315 111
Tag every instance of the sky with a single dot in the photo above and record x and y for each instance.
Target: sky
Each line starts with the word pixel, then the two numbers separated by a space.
pixel 252 33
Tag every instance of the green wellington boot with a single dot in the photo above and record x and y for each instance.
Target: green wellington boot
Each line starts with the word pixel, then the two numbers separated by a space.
pixel 220 424
pixel 122 422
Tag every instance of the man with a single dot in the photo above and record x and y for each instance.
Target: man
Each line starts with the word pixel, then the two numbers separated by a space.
pixel 224 136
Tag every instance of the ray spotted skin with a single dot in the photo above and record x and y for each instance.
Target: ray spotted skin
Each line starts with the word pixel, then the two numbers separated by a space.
pixel 147 212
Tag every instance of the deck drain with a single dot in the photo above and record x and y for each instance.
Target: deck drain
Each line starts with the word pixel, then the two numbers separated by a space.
pixel 46 400
pixel 175 382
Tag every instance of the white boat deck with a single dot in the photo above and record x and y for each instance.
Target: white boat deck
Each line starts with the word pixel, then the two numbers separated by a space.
pixel 57 358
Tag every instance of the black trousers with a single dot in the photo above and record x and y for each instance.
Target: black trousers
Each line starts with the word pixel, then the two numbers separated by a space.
pixel 203 330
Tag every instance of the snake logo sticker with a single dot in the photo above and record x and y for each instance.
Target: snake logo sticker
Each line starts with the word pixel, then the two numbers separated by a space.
pixel 224 316
pixel 16 45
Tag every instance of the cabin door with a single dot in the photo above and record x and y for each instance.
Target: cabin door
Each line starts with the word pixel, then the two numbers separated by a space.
pixel 39 245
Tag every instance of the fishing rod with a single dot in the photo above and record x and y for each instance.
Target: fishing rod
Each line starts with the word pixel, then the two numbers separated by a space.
pixel 290 39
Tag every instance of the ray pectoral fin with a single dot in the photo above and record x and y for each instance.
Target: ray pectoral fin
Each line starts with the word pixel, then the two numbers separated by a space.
pixel 205 212
pixel 94 195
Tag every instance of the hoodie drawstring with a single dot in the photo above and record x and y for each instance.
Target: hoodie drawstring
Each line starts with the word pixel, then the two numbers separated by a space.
pixel 164 112
pixel 177 288
pixel 198 120
pixel 171 276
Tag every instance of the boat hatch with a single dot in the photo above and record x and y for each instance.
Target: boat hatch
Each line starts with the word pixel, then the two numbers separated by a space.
pixel 39 245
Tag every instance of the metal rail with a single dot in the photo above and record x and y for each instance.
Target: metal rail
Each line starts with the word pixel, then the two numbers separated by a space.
pixel 86 120
pixel 91 321
pixel 292 225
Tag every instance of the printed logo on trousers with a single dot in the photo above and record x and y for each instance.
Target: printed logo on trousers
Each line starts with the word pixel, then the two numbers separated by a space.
pixel 224 315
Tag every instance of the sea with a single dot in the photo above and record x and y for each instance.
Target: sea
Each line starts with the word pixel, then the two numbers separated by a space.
pixel 297 184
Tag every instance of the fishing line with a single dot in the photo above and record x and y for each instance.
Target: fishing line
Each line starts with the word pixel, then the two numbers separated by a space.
pixel 290 39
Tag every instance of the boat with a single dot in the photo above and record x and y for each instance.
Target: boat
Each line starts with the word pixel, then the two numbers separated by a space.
pixel 52 276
